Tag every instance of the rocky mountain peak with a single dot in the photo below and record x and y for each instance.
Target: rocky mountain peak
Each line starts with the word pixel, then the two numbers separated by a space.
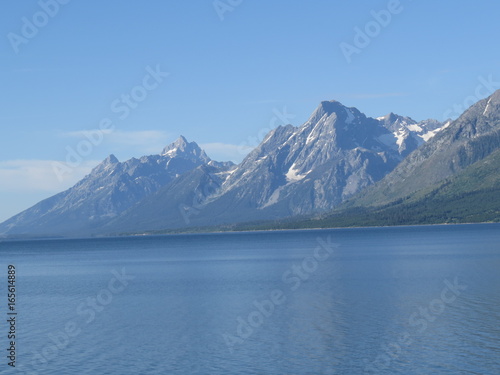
pixel 394 122
pixel 180 144
pixel 181 148
pixel 106 164
pixel 390 117
pixel 111 159
pixel 328 108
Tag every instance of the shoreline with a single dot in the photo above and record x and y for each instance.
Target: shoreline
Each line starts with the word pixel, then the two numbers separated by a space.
pixel 145 234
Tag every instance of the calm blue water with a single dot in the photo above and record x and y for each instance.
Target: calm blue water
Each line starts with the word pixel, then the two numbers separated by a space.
pixel 412 300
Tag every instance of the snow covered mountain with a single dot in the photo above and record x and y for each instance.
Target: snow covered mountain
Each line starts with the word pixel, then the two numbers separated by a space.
pixel 295 170
pixel 469 139
pixel 408 134
pixel 312 168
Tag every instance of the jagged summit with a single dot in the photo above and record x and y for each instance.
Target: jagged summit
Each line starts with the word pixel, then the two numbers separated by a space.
pixel 180 143
pixel 184 149
pixel 328 108
pixel 393 117
pixel 331 106
pixel 106 164
pixel 111 159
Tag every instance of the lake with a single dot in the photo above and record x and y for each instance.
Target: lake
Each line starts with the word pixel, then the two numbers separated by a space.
pixel 400 300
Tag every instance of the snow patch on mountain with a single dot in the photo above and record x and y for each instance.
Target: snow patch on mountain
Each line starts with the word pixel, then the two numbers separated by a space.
pixel 414 128
pixel 171 153
pixel 400 137
pixel 487 107
pixel 313 133
pixel 293 176
pixel 407 134
pixel 432 133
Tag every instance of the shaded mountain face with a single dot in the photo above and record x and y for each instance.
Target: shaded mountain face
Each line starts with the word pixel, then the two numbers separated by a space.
pixel 295 170
pixel 470 138
pixel 110 189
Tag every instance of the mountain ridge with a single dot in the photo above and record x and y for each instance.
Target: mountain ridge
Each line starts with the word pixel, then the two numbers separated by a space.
pixel 294 171
pixel 338 158
pixel 471 137
pixel 108 190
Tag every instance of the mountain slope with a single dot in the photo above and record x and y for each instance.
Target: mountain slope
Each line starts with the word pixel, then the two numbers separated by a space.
pixel 110 189
pixel 409 134
pixel 175 205
pixel 301 170
pixel 470 138
pixel 471 196
pixel 294 171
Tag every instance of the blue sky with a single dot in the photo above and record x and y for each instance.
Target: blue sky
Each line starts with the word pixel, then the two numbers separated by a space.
pixel 235 72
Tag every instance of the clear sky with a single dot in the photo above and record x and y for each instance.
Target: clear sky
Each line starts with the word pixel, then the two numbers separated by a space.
pixel 236 70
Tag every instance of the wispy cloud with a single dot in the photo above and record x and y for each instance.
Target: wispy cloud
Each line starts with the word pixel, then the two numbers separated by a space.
pixel 38 176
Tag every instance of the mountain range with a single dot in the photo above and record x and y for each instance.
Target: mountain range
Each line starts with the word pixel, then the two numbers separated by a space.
pixel 338 164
